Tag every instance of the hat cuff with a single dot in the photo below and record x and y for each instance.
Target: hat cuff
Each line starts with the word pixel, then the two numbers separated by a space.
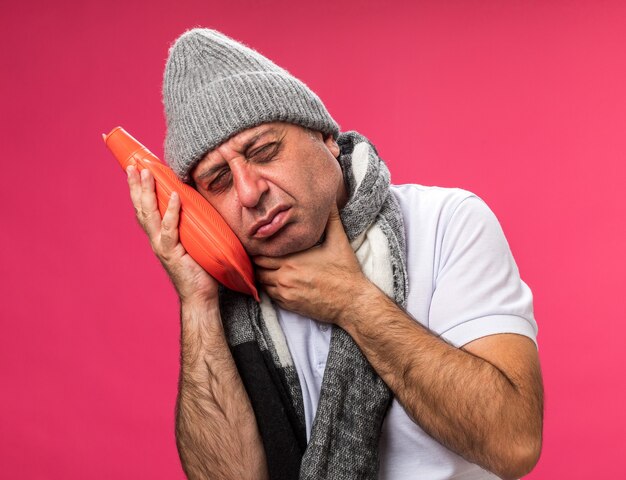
pixel 226 107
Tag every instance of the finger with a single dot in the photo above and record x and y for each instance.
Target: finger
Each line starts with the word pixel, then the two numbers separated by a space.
pixel 334 226
pixel 271 263
pixel 265 277
pixel 149 206
pixel 169 224
pixel 134 185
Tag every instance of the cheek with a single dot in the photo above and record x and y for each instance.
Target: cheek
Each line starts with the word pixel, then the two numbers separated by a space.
pixel 320 196
pixel 325 185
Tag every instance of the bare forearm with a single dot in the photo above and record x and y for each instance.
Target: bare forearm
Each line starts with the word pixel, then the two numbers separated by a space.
pixel 463 401
pixel 216 431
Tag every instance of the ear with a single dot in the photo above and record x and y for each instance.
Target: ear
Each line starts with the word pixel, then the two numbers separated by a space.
pixel 332 145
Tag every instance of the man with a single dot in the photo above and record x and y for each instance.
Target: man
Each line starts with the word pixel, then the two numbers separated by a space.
pixel 394 339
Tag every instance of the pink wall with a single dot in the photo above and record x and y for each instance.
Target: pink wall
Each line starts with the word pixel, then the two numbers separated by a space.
pixel 522 103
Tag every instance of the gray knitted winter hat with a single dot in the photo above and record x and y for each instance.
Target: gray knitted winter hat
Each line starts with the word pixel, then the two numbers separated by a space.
pixel 215 87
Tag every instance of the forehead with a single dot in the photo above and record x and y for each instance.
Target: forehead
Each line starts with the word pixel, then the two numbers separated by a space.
pixel 245 139
pixel 248 137
pixel 239 144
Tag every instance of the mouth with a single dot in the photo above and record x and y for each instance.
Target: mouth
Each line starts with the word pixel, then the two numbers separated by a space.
pixel 271 224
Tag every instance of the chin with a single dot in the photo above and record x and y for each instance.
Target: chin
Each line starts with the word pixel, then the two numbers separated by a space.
pixel 283 245
pixel 277 250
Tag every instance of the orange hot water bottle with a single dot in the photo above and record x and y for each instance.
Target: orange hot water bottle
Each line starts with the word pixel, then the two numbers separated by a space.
pixel 203 232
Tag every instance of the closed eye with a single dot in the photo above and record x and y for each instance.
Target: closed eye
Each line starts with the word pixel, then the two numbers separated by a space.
pixel 265 153
pixel 222 181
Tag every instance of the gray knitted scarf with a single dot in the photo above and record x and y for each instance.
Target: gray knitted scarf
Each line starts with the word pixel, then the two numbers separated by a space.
pixel 353 399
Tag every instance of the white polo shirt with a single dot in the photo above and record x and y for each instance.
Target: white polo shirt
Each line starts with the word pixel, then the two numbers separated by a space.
pixel 463 284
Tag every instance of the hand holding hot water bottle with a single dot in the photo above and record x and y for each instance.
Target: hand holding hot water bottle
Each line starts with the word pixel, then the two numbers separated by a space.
pixel 203 232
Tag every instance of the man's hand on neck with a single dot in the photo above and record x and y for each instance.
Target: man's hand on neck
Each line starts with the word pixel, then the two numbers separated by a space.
pixel 318 282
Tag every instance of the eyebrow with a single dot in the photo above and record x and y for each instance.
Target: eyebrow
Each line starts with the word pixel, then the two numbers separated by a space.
pixel 246 146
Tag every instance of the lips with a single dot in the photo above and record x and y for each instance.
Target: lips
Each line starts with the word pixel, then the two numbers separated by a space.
pixel 271 223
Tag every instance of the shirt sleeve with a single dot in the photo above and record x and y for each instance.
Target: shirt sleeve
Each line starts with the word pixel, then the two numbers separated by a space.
pixel 478 290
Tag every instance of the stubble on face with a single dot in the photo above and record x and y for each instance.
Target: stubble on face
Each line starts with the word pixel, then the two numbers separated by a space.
pixel 304 175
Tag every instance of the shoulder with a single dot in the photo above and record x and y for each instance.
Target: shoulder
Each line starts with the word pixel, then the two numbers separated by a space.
pixel 427 205
pixel 457 248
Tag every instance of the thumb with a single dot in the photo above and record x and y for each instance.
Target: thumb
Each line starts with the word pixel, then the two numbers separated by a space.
pixel 334 226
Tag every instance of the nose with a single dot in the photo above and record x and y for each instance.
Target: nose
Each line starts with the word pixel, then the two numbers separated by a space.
pixel 249 185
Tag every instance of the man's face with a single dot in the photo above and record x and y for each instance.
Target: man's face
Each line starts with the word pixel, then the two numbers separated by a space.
pixel 274 185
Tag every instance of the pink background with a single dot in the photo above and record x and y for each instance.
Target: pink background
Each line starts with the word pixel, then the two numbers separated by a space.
pixel 522 103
